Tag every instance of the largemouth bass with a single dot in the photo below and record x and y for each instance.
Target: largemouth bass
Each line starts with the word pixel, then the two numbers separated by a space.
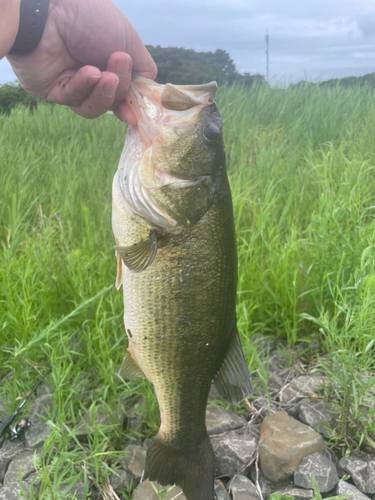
pixel 176 259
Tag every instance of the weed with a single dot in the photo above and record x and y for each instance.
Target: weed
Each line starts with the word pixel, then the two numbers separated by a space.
pixel 301 164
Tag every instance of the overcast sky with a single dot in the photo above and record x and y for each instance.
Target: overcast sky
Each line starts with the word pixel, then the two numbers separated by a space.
pixel 308 38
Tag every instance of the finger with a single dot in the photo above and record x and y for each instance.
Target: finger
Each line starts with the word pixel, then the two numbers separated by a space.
pixel 143 63
pixel 142 60
pixel 73 86
pixel 120 63
pixel 101 98
pixel 125 114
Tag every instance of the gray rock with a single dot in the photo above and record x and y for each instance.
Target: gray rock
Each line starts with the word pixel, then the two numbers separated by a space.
pixel 265 344
pixel 91 421
pixel 263 407
pixel 301 387
pixel 277 362
pixel 220 490
pixel 145 491
pixel 77 491
pixel 39 430
pixel 4 411
pixel 316 414
pixel 292 408
pixel 147 443
pixel 214 394
pixel 283 443
pixel 242 488
pixel 8 452
pixel 42 407
pixel 308 348
pixel 219 420
pixel 275 382
pixel 330 454
pixel 344 488
pixel 234 450
pixel 298 494
pixel 37 434
pixel 135 461
pixel 45 388
pixel 266 485
pixel 23 461
pixel 120 480
pixel 361 467
pixel 321 468
pixel 10 492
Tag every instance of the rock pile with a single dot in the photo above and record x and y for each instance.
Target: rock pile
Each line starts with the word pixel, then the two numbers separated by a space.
pixel 276 447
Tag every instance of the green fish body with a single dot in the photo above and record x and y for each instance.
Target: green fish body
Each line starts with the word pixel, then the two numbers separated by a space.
pixel 176 256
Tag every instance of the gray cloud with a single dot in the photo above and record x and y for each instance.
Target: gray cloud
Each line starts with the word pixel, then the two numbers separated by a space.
pixel 313 39
pixel 367 27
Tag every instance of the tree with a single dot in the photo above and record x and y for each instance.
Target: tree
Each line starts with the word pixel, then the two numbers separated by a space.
pixel 12 94
pixel 188 67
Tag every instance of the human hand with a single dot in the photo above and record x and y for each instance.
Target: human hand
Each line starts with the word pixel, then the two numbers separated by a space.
pixel 85 58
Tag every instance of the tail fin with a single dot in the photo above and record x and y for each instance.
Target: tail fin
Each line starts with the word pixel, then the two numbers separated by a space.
pixel 192 470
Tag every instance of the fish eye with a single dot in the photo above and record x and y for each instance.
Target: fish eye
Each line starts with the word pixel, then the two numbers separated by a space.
pixel 211 132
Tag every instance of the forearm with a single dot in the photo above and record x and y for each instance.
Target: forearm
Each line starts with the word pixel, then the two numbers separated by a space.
pixel 9 21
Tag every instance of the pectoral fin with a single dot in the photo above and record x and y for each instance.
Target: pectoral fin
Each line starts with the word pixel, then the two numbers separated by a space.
pixel 129 368
pixel 233 379
pixel 139 256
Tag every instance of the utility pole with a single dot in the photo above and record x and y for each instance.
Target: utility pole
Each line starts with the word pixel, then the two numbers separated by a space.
pixel 267 56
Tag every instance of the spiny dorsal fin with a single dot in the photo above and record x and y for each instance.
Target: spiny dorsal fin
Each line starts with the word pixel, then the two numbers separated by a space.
pixel 173 98
pixel 233 380
pixel 129 368
pixel 140 255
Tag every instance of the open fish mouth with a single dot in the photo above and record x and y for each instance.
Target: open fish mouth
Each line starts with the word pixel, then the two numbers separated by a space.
pixel 156 104
pixel 164 114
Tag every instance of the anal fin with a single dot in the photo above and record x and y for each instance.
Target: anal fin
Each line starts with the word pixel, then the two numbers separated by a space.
pixel 129 367
pixel 139 256
pixel 233 379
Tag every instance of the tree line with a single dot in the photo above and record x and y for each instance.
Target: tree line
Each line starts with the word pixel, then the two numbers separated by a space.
pixel 188 67
pixel 175 65
pixel 348 81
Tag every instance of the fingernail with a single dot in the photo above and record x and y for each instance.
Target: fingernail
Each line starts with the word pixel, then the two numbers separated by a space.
pixel 109 89
pixel 122 67
pixel 93 79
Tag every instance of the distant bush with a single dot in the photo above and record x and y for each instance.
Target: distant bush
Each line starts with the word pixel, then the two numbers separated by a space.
pixel 188 67
pixel 348 81
pixel 12 94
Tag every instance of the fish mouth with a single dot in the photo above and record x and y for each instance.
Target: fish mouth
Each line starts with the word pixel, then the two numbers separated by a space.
pixel 154 104
pixel 161 111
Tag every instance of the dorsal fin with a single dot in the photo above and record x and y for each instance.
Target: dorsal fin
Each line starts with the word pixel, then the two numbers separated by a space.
pixel 173 98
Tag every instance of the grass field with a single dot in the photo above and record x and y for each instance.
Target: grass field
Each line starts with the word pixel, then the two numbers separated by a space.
pixel 302 169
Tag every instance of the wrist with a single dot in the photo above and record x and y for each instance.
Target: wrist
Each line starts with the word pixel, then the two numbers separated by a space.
pixel 9 23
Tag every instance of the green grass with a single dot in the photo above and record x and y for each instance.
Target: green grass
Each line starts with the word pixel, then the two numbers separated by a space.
pixel 302 169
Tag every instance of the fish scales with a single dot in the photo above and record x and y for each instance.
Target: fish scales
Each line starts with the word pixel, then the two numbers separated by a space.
pixel 177 262
pixel 188 296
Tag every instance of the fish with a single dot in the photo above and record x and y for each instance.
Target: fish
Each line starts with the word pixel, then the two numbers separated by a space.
pixel 172 219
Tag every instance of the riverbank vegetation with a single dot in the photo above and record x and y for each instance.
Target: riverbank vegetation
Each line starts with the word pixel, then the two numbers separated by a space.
pixel 301 163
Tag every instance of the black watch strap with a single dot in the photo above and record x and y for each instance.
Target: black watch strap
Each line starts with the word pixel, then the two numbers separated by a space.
pixel 33 16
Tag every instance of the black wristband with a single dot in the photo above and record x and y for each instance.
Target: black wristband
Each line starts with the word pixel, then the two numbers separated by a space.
pixel 33 16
